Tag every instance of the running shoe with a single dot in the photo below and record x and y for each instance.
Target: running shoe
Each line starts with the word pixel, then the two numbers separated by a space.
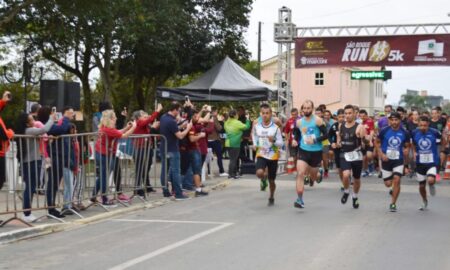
pixel 264 184
pixel 307 180
pixel 433 190
pixel 355 203
pixel 224 174
pixel 365 174
pixel 344 198
pixel 393 207
pixel 299 203
pixel 271 202
pixel 320 176
pixel 182 198
pixel 424 206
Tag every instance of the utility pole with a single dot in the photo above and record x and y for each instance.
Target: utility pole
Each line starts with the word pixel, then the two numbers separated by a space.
pixel 259 50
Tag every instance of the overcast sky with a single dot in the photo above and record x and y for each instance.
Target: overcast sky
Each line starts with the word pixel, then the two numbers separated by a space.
pixel 356 12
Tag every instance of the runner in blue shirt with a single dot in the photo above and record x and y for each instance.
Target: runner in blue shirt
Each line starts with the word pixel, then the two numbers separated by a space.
pixel 391 143
pixel 427 157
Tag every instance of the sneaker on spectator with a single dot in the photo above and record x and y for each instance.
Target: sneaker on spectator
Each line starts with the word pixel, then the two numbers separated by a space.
pixel 166 193
pixel 224 174
pixel 123 197
pixel 182 198
pixel 109 204
pixel 30 218
pixel 201 193
pixel 66 211
pixel 55 213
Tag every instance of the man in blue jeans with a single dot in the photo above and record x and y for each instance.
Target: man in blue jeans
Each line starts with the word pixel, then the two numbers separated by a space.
pixel 170 129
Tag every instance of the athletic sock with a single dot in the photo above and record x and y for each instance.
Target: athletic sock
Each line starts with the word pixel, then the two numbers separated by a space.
pixel 198 189
pixel 346 191
pixel 354 195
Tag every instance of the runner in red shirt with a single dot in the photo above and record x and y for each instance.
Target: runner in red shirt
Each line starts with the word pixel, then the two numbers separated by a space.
pixel 289 134
pixel 368 148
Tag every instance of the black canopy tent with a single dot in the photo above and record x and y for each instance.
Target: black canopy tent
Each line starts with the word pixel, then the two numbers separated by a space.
pixel 226 81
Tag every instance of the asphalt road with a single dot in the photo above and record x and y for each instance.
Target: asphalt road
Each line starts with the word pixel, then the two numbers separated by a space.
pixel 235 229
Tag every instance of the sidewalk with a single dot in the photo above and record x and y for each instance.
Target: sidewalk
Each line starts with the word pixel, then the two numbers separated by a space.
pixel 16 230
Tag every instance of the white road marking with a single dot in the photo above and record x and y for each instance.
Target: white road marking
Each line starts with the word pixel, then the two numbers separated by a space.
pixel 168 248
pixel 168 221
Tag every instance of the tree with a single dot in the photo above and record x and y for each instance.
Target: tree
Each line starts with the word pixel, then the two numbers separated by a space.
pixel 417 101
pixel 10 8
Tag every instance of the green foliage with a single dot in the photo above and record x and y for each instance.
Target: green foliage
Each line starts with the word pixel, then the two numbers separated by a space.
pixel 415 101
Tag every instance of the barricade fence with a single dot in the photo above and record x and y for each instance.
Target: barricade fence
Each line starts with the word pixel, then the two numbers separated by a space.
pixel 77 171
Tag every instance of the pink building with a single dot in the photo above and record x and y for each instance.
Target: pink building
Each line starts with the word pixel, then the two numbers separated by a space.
pixel 330 86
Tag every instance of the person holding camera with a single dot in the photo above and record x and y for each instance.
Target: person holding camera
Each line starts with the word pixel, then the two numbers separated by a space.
pixel 6 134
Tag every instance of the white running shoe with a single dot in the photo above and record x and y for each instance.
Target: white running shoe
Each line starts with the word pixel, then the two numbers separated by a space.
pixel 30 219
pixel 223 174
pixel 424 206
pixel 433 190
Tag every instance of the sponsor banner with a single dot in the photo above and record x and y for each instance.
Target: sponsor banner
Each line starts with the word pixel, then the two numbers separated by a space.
pixel 412 50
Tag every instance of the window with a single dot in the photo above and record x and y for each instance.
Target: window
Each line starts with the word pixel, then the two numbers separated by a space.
pixel 319 78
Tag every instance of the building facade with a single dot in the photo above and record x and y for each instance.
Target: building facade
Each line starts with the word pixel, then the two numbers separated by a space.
pixel 331 86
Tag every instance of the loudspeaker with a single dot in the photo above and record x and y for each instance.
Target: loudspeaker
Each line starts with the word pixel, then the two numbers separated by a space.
pixel 59 94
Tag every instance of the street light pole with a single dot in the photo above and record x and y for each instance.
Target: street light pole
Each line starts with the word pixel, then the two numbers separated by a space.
pixel 26 77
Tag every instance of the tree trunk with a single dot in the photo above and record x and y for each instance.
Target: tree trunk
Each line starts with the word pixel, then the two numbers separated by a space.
pixel 87 104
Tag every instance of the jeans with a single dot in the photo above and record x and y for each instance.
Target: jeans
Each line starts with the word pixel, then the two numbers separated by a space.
pixel 56 172
pixel 216 146
pixel 31 172
pixel 234 156
pixel 188 179
pixel 196 162
pixel 68 187
pixel 101 183
pixel 173 171
pixel 143 162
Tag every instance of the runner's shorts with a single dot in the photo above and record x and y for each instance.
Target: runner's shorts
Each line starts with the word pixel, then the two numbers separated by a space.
pixel 271 165
pixel 312 158
pixel 367 149
pixel 425 170
pixel 293 151
pixel 392 167
pixel 354 166
pixel 337 158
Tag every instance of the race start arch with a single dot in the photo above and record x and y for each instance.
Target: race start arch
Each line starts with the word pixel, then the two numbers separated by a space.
pixel 355 46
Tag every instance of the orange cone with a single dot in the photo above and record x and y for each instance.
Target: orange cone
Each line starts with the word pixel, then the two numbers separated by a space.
pixel 290 168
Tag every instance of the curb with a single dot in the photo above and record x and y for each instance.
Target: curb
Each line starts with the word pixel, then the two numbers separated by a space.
pixel 41 230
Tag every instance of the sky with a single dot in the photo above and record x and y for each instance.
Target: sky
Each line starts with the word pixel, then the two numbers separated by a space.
pixel 306 13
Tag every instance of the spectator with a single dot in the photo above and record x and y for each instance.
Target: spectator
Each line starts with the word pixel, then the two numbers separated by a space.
pixel 69 169
pixel 246 135
pixel 195 157
pixel 105 149
pixel 234 130
pixel 143 153
pixel 30 158
pixel 102 106
pixel 214 141
pixel 59 150
pixel 42 117
pixel 170 130
pixel 34 110
pixel 5 135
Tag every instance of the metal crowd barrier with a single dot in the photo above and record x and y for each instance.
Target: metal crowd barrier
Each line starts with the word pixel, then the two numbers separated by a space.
pixel 67 171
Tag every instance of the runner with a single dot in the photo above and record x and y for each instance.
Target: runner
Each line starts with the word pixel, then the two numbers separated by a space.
pixel 326 143
pixel 267 140
pixel 332 137
pixel 289 134
pixel 427 157
pixel 438 123
pixel 349 139
pixel 310 133
pixel 368 143
pixel 391 141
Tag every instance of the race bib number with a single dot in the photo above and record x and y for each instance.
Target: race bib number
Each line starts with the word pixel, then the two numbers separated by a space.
pixel 426 158
pixel 310 137
pixel 264 142
pixel 393 154
pixel 353 156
